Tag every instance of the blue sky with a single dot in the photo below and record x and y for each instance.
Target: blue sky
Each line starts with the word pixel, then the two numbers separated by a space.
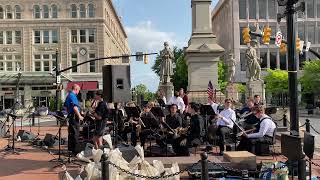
pixel 148 24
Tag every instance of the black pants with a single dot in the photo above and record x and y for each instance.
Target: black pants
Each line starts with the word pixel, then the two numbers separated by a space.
pixel 73 134
pixel 133 135
pixel 222 131
pixel 248 144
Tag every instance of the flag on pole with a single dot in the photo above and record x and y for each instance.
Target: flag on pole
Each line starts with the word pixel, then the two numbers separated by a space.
pixel 210 91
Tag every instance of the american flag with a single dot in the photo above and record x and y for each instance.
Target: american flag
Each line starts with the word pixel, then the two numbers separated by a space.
pixel 210 91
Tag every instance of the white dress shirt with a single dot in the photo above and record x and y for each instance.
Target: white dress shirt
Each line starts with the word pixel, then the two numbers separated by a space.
pixel 227 114
pixel 178 101
pixel 164 99
pixel 267 127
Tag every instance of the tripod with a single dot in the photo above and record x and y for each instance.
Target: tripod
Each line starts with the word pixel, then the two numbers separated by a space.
pixel 12 148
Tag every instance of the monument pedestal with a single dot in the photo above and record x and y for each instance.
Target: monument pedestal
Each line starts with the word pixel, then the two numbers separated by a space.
pixel 167 89
pixel 232 92
pixel 256 88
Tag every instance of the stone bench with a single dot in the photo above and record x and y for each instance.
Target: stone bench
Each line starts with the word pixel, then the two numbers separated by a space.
pixel 242 158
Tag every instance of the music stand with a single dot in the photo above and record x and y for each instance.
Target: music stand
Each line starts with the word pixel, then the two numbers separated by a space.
pixel 60 118
pixel 161 102
pixel 206 110
pixel 157 111
pixel 132 111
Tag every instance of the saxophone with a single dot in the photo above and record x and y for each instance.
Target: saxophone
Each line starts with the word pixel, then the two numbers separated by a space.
pixel 139 125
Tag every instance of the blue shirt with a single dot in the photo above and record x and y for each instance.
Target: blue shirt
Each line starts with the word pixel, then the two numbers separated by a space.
pixel 70 102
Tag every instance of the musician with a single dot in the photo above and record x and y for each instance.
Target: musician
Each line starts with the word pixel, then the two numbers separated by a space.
pixel 173 119
pixel 224 121
pixel 250 119
pixel 176 99
pixel 263 131
pixel 150 123
pixel 185 98
pixel 73 108
pixel 100 114
pixel 257 100
pixel 133 122
pixel 161 95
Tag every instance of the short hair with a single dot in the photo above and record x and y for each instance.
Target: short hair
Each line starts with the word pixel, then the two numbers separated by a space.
pixel 258 109
pixel 255 96
pixel 74 86
pixel 99 93
pixel 173 105
pixel 250 100
pixel 228 99
pixel 195 106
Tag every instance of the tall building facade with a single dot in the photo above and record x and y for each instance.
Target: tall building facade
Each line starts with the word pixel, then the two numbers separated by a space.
pixel 31 31
pixel 229 17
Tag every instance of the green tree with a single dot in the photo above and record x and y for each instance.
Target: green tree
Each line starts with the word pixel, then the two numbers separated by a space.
pixel 180 77
pixel 276 81
pixel 222 75
pixel 310 80
pixel 142 89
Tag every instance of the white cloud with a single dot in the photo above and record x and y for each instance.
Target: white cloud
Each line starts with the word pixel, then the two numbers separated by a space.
pixel 144 37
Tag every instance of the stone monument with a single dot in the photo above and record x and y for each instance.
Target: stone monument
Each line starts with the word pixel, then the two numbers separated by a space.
pixel 232 91
pixel 166 71
pixel 202 53
pixel 255 85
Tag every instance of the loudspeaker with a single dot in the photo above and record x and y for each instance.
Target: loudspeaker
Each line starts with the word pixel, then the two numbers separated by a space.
pixel 287 143
pixel 25 135
pixel 128 151
pixel 116 83
pixel 308 144
pixel 50 140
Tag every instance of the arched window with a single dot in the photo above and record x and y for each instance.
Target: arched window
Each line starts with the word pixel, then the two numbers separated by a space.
pixel 1 12
pixel 36 11
pixel 73 11
pixel 45 11
pixel 17 10
pixel 91 10
pixel 9 12
pixel 54 11
pixel 82 8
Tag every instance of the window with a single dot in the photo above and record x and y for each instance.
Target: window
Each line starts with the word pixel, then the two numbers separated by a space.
pixel 311 32
pixel 17 10
pixel 9 37
pixel 1 66
pixel 82 36
pixel 45 11
pixel 283 61
pixel 37 37
pixel 1 13
pixel 74 36
pixel 241 37
pixel 310 8
pixel 1 37
pixel 91 11
pixel 271 9
pixel 242 9
pixel 82 11
pixel 264 57
pixel 283 31
pixel 9 66
pixel 36 11
pixel 301 33
pixel 54 11
pixel 55 38
pixel 74 59
pixel 18 37
pixel 46 66
pixel 317 28
pixel 318 9
pixel 243 61
pixel 46 37
pixel 10 62
pixel 273 60
pixel 44 62
pixel 92 65
pixel 9 12
pixel 73 11
pixel 37 66
pixel 262 9
pixel 91 35
pixel 252 9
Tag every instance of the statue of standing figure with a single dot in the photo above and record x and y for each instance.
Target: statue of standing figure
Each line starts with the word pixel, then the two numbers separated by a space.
pixel 253 65
pixel 166 68
pixel 231 68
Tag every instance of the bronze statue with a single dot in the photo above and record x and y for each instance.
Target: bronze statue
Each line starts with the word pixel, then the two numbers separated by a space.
pixel 166 68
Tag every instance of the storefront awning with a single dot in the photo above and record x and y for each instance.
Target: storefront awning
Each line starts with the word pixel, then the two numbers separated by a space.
pixel 85 85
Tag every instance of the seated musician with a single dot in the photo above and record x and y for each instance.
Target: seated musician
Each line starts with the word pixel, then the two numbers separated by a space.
pixel 148 123
pixel 263 131
pixel 250 119
pixel 196 124
pixel 224 121
pixel 100 114
pixel 132 128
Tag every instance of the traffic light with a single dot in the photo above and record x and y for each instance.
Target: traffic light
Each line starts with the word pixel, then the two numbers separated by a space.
pixel 283 48
pixel 298 45
pixel 266 35
pixel 246 35
pixel 145 59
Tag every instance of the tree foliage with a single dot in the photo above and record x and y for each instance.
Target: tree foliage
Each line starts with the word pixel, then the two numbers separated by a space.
pixel 180 77
pixel 276 81
pixel 142 89
pixel 310 80
pixel 222 75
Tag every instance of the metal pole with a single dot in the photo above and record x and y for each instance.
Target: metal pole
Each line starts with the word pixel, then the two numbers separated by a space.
pixel 308 125
pixel 204 166
pixel 104 167
pixel 292 70
pixel 57 101
pixel 302 169
pixel 284 120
